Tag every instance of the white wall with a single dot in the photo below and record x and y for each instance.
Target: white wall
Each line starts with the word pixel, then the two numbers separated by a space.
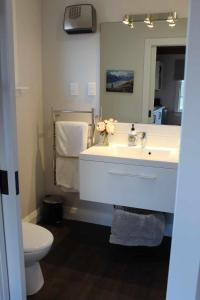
pixel 76 58
pixel 29 104
pixel 114 10
pixel 65 59
pixel 185 252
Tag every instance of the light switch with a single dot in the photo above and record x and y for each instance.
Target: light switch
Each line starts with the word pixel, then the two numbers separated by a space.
pixel 74 89
pixel 91 88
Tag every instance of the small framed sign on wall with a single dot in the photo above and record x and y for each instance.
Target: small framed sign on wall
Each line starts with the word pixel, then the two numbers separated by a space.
pixel 119 81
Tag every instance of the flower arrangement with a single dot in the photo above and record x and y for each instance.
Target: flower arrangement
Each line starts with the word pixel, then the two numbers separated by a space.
pixel 105 128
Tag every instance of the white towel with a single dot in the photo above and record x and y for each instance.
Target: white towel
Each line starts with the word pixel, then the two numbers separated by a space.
pixel 67 173
pixel 71 138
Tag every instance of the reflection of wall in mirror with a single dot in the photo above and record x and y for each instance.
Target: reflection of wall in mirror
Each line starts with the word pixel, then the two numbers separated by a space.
pixel 123 48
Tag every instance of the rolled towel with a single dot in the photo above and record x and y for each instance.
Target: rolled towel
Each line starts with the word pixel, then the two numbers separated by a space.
pixel 132 229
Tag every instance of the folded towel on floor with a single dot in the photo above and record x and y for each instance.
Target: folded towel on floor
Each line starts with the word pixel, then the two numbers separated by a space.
pixel 132 229
pixel 71 138
pixel 67 173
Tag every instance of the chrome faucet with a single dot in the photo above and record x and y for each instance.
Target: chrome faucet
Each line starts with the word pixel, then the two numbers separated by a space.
pixel 143 136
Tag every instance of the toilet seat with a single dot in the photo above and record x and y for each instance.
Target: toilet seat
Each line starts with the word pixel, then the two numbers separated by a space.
pixel 35 237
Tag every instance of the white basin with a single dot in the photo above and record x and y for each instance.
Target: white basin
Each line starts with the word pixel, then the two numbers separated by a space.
pixel 149 153
pixel 121 151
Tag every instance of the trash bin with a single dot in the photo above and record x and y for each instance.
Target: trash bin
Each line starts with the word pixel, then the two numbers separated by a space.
pixel 52 210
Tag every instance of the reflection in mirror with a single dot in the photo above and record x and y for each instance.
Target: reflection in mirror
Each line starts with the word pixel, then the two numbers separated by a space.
pixel 169 85
pixel 142 72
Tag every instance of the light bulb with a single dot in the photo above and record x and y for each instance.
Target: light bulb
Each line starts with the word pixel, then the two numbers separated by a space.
pixel 130 24
pixel 126 19
pixel 172 17
pixel 173 24
pixel 150 25
pixel 147 20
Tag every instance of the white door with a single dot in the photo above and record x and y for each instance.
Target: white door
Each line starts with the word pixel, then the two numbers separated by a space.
pixel 11 260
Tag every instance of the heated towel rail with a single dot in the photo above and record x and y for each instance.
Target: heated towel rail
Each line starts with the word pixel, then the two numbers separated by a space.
pixel 58 113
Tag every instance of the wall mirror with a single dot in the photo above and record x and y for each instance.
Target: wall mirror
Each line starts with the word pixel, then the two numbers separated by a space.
pixel 142 72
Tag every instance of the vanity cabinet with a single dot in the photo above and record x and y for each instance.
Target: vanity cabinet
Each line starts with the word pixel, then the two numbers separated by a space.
pixel 129 185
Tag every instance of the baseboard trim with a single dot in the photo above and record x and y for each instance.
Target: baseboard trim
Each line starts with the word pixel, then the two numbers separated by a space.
pixel 33 217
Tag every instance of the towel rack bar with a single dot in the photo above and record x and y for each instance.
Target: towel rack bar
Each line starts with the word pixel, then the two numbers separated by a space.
pixel 72 111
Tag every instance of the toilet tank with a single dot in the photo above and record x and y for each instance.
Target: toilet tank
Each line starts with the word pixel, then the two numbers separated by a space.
pixel 80 19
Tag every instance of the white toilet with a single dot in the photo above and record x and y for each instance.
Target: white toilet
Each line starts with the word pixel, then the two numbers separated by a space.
pixel 37 242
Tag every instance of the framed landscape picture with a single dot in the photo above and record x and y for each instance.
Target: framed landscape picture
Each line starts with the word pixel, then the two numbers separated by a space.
pixel 119 81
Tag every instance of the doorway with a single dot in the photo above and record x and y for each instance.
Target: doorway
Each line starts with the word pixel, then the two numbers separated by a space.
pixel 155 78
pixel 11 249
pixel 169 85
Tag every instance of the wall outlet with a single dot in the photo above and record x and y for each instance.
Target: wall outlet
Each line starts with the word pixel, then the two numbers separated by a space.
pixel 92 89
pixel 74 89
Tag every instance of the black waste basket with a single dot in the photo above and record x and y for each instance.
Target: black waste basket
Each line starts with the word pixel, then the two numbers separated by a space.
pixel 52 210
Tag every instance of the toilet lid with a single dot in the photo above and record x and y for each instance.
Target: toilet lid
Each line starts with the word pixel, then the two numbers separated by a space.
pixel 35 237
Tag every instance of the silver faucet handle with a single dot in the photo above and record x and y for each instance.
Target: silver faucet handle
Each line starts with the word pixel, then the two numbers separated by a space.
pixel 143 138
pixel 142 135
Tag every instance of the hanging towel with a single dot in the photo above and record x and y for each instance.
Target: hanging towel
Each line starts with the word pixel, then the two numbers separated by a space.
pixel 71 138
pixel 132 229
pixel 67 173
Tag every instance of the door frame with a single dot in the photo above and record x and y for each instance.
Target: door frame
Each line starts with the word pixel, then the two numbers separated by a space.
pixel 8 160
pixel 4 290
pixel 149 72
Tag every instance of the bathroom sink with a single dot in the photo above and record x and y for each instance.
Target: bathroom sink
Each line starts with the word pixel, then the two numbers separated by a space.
pixel 121 152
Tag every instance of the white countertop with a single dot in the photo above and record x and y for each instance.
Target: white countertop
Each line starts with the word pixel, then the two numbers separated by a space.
pixel 160 157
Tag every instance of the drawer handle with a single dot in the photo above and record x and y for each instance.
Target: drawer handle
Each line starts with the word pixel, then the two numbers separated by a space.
pixel 149 177
pixel 141 176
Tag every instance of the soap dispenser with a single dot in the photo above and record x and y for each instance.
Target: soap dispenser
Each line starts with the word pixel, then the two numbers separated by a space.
pixel 132 136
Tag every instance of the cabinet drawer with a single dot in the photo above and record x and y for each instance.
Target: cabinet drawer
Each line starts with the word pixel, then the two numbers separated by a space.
pixel 128 185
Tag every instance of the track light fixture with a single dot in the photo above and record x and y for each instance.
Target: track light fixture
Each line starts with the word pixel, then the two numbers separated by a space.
pixel 150 19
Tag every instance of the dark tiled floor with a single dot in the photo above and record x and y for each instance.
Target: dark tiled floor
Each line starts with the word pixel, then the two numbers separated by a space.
pixel 82 265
